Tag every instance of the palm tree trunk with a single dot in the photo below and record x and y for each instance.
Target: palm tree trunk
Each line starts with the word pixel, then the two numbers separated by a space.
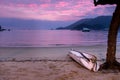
pixel 112 36
pixel 112 39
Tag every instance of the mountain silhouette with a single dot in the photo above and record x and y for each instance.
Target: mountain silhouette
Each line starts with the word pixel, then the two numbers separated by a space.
pixel 98 23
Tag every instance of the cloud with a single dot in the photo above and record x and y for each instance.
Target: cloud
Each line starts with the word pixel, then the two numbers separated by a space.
pixel 54 10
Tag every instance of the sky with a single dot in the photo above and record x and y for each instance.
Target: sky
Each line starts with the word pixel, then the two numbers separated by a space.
pixel 53 10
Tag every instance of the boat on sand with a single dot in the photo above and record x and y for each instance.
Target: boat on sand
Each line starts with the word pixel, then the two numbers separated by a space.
pixel 88 61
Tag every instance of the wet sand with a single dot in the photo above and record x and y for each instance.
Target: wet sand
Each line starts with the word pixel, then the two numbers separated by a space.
pixel 51 63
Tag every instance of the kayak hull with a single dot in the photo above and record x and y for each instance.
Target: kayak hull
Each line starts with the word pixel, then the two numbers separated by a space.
pixel 86 60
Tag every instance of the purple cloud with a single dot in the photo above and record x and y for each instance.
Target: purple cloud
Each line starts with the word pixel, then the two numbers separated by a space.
pixel 60 10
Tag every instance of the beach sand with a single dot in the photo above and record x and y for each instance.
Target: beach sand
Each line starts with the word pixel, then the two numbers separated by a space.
pixel 51 63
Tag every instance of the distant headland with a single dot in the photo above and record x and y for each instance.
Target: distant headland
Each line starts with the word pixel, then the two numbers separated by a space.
pixel 98 23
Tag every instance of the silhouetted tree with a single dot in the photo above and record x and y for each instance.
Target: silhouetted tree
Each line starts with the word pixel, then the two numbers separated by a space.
pixel 103 2
pixel 111 62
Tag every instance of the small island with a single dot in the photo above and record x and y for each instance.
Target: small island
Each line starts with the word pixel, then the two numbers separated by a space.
pixel 2 29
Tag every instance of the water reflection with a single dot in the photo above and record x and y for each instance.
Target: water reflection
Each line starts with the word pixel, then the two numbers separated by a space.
pixel 39 38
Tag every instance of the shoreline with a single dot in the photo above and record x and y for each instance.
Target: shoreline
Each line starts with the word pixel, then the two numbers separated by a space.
pixel 53 53
pixel 35 54
pixel 51 63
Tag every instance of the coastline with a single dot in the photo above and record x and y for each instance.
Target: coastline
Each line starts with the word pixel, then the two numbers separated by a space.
pixel 50 63
pixel 52 53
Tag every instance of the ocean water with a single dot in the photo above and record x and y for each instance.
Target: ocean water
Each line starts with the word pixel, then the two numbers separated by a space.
pixel 51 38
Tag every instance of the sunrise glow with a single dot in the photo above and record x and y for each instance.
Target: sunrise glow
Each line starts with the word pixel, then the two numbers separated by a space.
pixel 53 10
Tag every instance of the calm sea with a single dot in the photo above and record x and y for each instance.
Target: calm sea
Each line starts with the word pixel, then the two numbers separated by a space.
pixel 51 38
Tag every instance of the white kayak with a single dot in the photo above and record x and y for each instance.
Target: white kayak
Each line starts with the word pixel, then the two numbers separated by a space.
pixel 86 60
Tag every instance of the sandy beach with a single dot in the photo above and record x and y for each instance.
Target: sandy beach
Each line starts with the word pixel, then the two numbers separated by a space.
pixel 51 63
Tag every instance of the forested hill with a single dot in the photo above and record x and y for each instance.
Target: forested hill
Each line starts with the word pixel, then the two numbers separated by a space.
pixel 98 23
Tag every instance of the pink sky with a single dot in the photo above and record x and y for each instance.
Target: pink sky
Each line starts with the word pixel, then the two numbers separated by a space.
pixel 53 10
